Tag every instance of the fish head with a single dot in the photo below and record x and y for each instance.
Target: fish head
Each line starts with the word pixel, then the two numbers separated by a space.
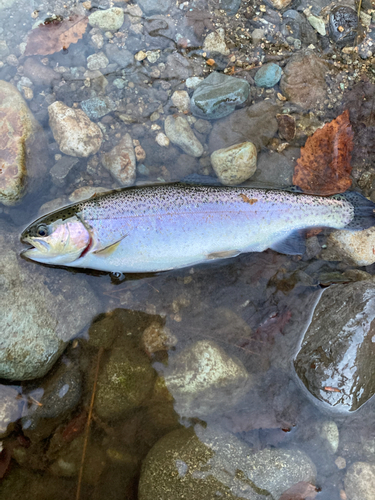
pixel 60 241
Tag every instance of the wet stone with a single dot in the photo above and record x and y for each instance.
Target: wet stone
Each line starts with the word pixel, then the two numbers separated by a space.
pixel 60 393
pixel 178 131
pixel 296 23
pixel 343 23
pixel 215 43
pixel 218 95
pixel 97 107
pixel 21 138
pixel 125 380
pixel 235 164
pixel 355 247
pixel 336 358
pixel 107 20
pixel 74 132
pixel 268 75
pixel 230 6
pixel 360 481
pixel 61 169
pixel 151 7
pixel 121 162
pixel 39 73
pixel 303 81
pixel 193 460
pixel 97 61
pixel 287 126
pixel 256 123
pixel 124 58
pixel 203 379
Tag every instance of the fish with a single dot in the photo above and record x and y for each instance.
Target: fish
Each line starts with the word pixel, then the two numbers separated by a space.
pixel 162 227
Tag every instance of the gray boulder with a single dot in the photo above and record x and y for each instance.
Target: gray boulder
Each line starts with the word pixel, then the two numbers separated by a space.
pixel 336 361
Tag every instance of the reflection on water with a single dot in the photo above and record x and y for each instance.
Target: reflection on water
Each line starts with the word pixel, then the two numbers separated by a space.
pixel 181 384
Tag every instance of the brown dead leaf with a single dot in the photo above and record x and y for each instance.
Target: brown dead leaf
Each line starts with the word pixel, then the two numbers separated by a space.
pixel 210 62
pixel 54 36
pixel 324 166
pixel 300 491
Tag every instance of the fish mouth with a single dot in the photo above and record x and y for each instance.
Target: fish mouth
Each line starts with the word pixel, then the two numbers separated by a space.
pixel 38 248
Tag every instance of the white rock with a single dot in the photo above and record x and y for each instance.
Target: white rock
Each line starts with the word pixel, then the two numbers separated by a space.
pixel 179 132
pixel 162 140
pixel 235 164
pixel 330 432
pixel 203 379
pixel 107 20
pixel 215 42
pixel 357 246
pixel 181 100
pixel 360 481
pixel 74 132
pixel 97 61
pixel 120 161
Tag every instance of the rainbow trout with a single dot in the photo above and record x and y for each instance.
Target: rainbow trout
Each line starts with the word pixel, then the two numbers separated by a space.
pixel 156 228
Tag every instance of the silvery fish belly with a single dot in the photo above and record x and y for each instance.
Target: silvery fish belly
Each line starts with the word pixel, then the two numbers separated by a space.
pixel 155 228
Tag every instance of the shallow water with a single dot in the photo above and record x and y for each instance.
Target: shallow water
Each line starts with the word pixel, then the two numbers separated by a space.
pixel 255 307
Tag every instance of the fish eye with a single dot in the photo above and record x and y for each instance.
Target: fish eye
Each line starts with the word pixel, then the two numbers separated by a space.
pixel 42 230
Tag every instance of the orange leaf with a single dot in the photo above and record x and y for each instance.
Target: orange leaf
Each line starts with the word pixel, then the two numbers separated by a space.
pixel 210 62
pixel 300 491
pixel 52 37
pixel 324 166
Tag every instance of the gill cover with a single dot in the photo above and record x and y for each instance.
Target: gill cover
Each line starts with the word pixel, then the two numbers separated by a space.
pixel 60 242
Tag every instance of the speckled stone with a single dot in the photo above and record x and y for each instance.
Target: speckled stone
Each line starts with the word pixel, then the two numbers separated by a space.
pixel 21 139
pixel 74 132
pixel 235 164
pixel 107 20
pixel 178 131
pixel 120 161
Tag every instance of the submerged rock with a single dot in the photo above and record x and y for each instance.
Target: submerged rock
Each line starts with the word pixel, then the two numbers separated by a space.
pixel 38 316
pixel 203 379
pixel 343 24
pixel 360 481
pixel 235 164
pixel 215 43
pixel 209 463
pixel 107 20
pixel 356 247
pixel 120 161
pixel 178 131
pixel 336 361
pixel 257 124
pixel 218 95
pixel 268 75
pixel 125 381
pixel 303 81
pixel 22 147
pixel 72 129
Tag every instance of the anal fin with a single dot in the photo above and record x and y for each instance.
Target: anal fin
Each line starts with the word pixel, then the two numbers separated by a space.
pixel 293 244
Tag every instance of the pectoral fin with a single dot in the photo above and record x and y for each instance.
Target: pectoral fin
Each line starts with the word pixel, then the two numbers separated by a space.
pixel 109 249
pixel 223 255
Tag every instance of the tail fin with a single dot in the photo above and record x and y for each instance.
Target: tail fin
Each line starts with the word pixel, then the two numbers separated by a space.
pixel 364 210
